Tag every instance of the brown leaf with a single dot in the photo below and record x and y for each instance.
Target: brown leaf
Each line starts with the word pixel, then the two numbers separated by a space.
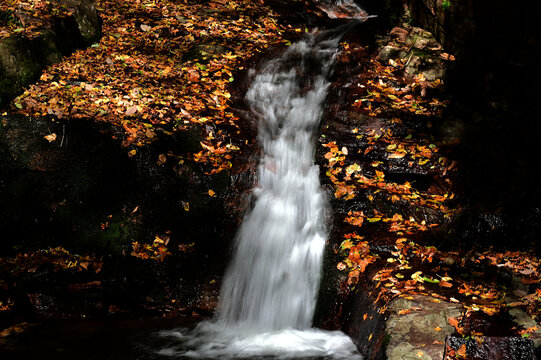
pixel 150 134
pixel 131 110
pixel 162 159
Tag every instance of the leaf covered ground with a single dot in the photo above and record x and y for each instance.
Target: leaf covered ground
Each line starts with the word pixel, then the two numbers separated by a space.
pixel 161 67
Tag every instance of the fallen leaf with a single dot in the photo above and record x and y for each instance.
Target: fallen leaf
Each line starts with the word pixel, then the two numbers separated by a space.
pixel 461 352
pixel 396 156
pixel 50 137
pixel 162 159
pixel 131 110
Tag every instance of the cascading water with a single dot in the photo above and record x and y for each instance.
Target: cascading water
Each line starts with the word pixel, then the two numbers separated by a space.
pixel 269 291
pixel 274 277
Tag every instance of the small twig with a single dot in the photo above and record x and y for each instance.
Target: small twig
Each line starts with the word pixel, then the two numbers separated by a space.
pixel 63 135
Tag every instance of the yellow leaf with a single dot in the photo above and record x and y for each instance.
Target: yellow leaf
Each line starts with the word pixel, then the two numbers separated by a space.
pixel 417 276
pixel 212 193
pixel 352 168
pixel 50 137
pixel 396 155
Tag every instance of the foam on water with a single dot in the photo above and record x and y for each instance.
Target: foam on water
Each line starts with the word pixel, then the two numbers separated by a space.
pixel 212 341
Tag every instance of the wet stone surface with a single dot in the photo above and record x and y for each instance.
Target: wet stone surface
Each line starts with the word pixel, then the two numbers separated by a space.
pixel 494 348
pixel 417 327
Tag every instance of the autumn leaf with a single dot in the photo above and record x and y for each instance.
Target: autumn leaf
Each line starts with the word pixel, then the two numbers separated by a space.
pixel 346 244
pixel 445 284
pixel 461 352
pixel 131 110
pixel 356 219
pixel 396 156
pixel 162 159
pixel 50 137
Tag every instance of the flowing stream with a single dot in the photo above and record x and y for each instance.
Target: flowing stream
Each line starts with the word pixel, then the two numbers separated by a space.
pixel 269 292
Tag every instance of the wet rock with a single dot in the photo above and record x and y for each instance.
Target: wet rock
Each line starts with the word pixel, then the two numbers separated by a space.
pixel 61 190
pixel 86 18
pixel 417 327
pixel 485 347
pixel 389 52
pixel 365 324
pixel 400 33
pixel 522 319
pixel 81 190
pixel 422 39
pixel 76 301
pixel 419 49
pixel 431 67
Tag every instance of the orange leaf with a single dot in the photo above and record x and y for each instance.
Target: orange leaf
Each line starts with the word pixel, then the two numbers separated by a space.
pixel 461 352
pixel 396 156
pixel 445 284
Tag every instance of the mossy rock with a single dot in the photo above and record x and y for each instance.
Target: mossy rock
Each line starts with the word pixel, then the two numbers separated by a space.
pixel 17 67
pixel 22 59
pixel 86 17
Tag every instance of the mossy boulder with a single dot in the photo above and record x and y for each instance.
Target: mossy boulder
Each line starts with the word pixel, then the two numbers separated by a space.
pixel 22 59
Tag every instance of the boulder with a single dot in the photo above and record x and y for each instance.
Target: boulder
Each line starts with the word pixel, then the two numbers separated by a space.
pixel 418 326
pixel 22 59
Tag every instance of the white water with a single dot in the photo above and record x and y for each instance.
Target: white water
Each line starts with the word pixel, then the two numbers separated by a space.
pixel 273 279
pixel 269 292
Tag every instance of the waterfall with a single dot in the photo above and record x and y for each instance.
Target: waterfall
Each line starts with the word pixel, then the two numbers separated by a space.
pixel 269 291
pixel 274 277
